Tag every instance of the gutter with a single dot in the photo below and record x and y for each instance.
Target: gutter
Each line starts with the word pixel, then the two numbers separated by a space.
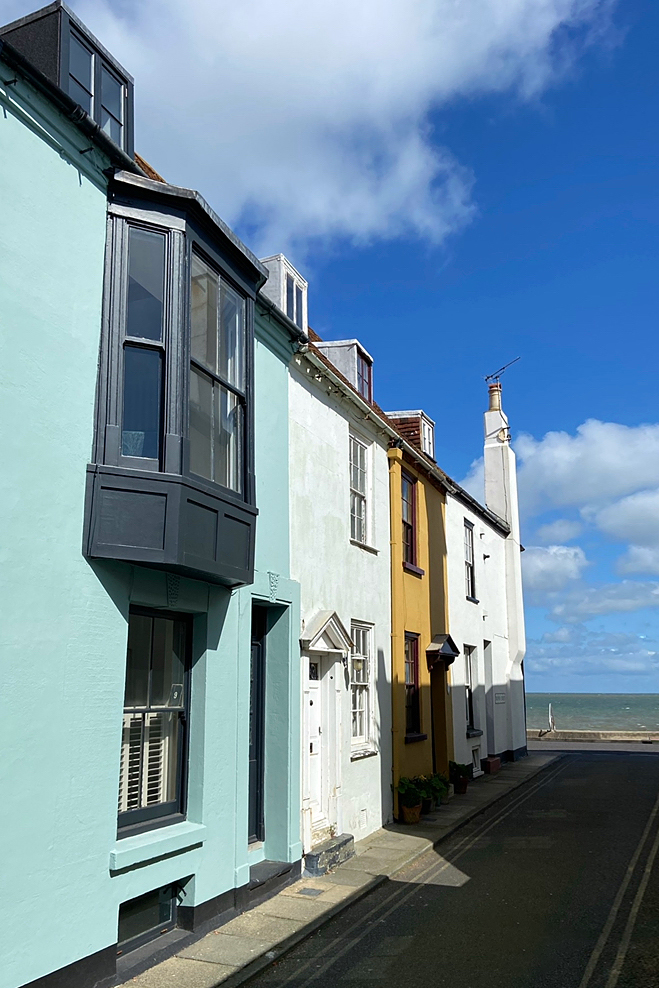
pixel 67 107
pixel 294 331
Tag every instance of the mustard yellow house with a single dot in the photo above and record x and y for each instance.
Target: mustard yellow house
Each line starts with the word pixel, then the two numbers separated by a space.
pixel 422 649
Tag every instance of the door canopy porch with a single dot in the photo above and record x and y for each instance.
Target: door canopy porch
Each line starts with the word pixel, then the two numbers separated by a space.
pixel 442 651
pixel 326 633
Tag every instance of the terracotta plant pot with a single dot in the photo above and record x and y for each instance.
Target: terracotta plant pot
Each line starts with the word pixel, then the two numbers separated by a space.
pixel 411 814
pixel 461 786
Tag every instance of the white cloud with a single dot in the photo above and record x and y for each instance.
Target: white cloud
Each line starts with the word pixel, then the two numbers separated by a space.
pixel 593 654
pixel 585 602
pixel 550 568
pixel 304 121
pixel 639 559
pixel 601 462
pixel 559 531
pixel 632 519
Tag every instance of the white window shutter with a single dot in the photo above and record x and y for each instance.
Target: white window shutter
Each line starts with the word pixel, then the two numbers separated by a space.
pixel 131 757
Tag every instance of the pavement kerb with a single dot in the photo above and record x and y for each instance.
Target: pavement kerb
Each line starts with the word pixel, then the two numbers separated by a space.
pixel 277 951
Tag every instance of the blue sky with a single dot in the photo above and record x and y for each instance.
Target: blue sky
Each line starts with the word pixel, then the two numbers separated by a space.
pixel 461 183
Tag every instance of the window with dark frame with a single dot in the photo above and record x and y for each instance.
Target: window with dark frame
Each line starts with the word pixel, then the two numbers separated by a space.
pixel 412 706
pixel 470 575
pixel 154 736
pixel 471 675
pixel 217 377
pixel 96 87
pixel 144 346
pixel 358 489
pixel 150 336
pixel 408 493
pixel 364 377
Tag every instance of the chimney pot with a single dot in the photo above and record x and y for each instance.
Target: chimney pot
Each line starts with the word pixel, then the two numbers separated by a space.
pixel 495 396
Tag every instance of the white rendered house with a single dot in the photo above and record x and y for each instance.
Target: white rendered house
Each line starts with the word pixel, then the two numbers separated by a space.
pixel 340 553
pixel 486 616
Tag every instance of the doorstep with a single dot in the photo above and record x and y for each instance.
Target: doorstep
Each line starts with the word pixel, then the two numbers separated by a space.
pixel 252 941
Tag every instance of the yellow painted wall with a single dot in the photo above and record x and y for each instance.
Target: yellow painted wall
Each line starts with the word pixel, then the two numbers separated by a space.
pixel 419 606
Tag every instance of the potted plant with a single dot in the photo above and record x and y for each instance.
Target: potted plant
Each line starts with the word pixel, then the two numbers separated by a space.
pixel 439 784
pixel 409 799
pixel 459 775
pixel 427 790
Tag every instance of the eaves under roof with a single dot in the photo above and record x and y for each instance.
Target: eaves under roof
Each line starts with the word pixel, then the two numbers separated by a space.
pixel 196 205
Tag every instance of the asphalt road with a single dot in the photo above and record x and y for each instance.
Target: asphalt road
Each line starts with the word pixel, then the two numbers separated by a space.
pixel 556 886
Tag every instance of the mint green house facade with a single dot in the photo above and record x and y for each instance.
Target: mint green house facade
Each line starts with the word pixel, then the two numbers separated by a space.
pixel 149 637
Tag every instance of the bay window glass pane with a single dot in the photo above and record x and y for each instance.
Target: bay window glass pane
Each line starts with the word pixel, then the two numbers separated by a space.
pixel 160 758
pixel 232 337
pixel 201 417
pixel 203 306
pixel 111 126
pixel 80 63
pixel 146 284
pixel 298 307
pixel 142 402
pixel 111 94
pixel 167 664
pixel 80 95
pixel 137 661
pixel 228 439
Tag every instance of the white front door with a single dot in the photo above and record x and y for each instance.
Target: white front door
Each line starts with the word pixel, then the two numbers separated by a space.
pixel 321 783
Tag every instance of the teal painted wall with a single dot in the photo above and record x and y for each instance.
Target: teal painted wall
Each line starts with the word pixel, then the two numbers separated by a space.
pixel 60 630
pixel 64 628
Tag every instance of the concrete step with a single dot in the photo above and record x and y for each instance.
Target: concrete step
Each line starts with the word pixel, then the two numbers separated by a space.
pixel 329 854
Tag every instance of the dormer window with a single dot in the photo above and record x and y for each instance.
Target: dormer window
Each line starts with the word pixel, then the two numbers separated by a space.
pixel 428 437
pixel 57 43
pixel 364 377
pixel 294 302
pixel 287 289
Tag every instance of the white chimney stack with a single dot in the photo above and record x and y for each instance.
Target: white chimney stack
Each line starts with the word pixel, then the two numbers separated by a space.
pixel 501 497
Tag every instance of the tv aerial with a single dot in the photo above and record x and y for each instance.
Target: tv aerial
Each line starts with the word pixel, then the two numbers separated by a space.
pixel 497 374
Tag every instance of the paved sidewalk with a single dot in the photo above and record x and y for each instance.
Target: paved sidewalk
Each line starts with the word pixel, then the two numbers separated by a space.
pixel 249 943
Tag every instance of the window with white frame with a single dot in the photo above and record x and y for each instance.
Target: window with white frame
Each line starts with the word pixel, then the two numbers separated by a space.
pixel 470 574
pixel 358 490
pixel 360 673
pixel 428 437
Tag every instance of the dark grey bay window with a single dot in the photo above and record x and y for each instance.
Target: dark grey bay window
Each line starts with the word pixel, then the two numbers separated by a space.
pixel 154 736
pixel 217 377
pixel 172 482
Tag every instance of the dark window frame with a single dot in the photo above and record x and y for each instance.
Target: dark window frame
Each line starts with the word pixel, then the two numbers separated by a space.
pixel 364 377
pixel 412 691
pixel 470 561
pixel 160 815
pixel 164 926
pixel 71 28
pixel 409 528
pixel 181 238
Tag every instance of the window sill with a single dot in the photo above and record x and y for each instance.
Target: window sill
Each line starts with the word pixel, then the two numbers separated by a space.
pixel 474 600
pixel 130 851
pixel 366 548
pixel 413 738
pixel 359 753
pixel 473 732
pixel 411 568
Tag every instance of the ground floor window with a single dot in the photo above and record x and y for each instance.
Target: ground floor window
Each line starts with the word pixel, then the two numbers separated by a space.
pixel 412 707
pixel 146 917
pixel 360 683
pixel 471 679
pixel 153 746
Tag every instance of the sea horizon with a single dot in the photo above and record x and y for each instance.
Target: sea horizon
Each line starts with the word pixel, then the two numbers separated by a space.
pixel 594 711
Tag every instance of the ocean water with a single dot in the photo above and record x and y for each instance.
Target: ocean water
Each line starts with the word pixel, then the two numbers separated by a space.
pixel 594 711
